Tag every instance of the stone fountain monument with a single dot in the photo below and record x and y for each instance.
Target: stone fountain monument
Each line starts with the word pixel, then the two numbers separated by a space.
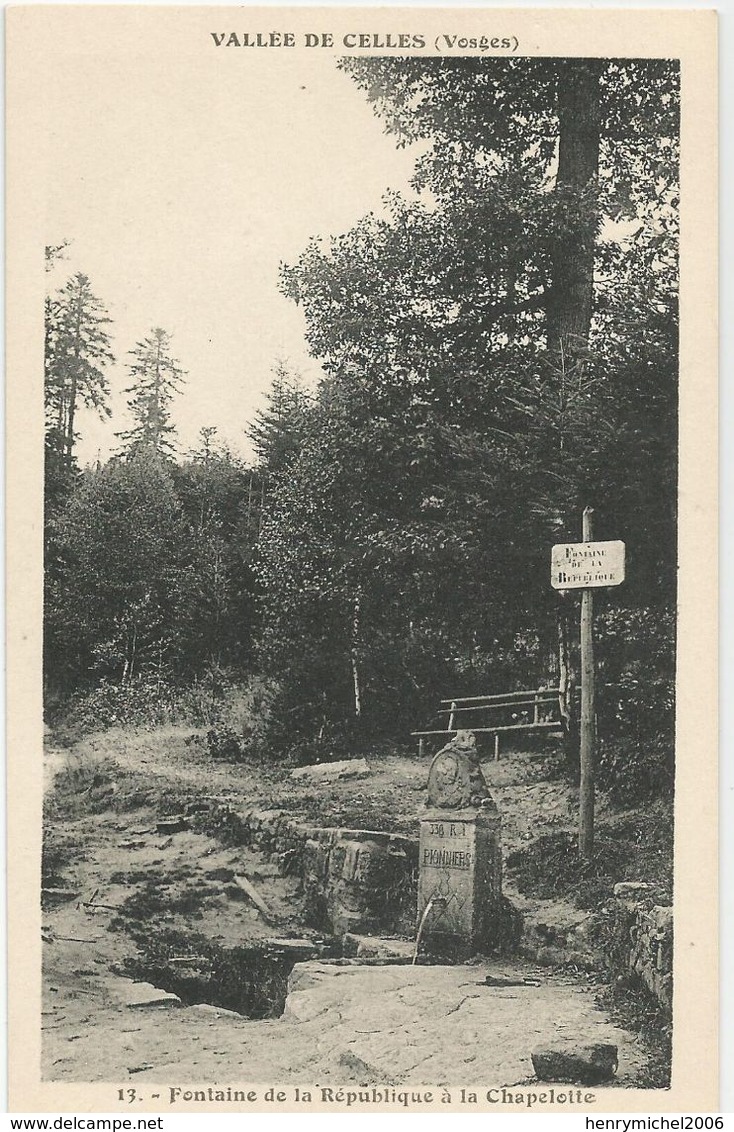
pixel 460 905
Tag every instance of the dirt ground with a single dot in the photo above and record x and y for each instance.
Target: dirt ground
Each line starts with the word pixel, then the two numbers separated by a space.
pixel 390 797
pixel 115 883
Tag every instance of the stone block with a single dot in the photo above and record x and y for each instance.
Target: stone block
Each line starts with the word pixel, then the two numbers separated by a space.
pixel 348 896
pixel 139 995
pixel 337 856
pixel 331 772
pixel 585 1064
pixel 374 947
pixel 206 1008
pixel 372 865
pixel 661 918
pixel 301 948
pixel 345 921
pixel 460 878
pixel 315 860
pixel 551 956
pixel 173 825
pixel 350 861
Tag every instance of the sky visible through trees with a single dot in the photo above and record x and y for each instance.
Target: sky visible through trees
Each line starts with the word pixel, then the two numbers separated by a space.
pixel 168 215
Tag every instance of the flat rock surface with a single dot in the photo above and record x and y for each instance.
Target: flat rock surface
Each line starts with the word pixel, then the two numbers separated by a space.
pixel 346 1024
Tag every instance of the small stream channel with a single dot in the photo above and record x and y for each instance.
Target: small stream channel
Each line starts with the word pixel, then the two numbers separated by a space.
pixel 250 980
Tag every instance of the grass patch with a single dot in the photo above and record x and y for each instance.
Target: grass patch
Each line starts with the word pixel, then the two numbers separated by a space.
pixel 151 876
pixel 146 903
pixel 57 855
pixel 350 803
pixel 634 1009
pixel 83 787
pixel 153 901
pixel 95 784
pixel 90 786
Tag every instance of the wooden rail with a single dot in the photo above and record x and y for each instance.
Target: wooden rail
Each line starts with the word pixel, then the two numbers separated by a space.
pixel 534 698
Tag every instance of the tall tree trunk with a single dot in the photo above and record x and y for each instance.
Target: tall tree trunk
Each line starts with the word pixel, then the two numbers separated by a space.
pixel 570 300
pixel 355 655
pixel 262 506
pixel 157 398
pixel 130 646
pixel 566 686
pixel 571 297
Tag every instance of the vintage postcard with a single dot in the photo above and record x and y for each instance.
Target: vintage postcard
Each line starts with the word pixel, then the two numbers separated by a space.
pixel 362 538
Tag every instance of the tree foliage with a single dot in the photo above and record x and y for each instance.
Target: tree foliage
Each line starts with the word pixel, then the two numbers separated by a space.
pixel 152 572
pixel 277 430
pixel 500 353
pixel 118 542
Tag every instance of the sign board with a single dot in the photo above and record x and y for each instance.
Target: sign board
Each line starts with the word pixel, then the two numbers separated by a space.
pixel 581 565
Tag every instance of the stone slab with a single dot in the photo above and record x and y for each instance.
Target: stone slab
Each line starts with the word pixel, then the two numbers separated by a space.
pixel 299 947
pixel 328 772
pixel 587 1064
pixel 633 888
pixel 207 1009
pixel 125 992
pixel 375 947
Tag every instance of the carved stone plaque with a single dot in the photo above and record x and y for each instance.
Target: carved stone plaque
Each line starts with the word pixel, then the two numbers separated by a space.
pixel 455 778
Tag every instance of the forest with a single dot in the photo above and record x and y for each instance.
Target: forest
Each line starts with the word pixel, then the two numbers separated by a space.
pixel 498 352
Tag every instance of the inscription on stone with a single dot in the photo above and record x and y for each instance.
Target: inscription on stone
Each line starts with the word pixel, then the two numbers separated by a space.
pixel 447 845
pixel 447 858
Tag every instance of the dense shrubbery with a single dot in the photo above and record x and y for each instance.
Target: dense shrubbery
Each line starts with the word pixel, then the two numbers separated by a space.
pixel 142 702
pixel 636 671
pixel 148 573
pixel 632 771
pixel 627 849
pixel 223 742
pixel 217 701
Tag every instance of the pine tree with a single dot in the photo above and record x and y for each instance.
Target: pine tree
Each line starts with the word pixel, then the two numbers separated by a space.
pixel 156 378
pixel 77 350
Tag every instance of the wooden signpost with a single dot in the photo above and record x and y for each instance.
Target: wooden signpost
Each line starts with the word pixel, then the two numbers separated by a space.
pixel 586 566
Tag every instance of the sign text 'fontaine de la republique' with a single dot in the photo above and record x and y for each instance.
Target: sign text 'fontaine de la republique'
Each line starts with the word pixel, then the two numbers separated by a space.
pixel 579 565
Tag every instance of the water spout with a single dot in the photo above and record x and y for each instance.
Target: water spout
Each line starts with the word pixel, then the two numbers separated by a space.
pixel 439 902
